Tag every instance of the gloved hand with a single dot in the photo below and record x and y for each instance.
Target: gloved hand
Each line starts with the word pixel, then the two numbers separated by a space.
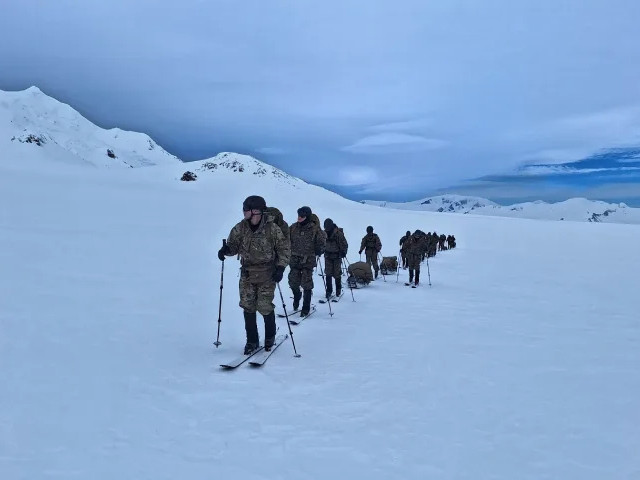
pixel 277 274
pixel 343 255
pixel 222 252
pixel 359 252
pixel 319 251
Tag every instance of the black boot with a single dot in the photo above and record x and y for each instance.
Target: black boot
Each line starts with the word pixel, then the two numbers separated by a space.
pixel 417 278
pixel 251 327
pixel 297 295
pixel 306 303
pixel 269 330
pixel 338 286
pixel 329 287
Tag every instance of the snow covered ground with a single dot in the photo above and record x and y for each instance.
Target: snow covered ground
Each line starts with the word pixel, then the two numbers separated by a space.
pixel 520 362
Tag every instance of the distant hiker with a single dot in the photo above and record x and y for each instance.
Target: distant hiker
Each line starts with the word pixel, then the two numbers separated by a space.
pixel 441 241
pixel 371 245
pixel 451 241
pixel 307 243
pixel 432 244
pixel 335 250
pixel 264 253
pixel 403 250
pixel 416 246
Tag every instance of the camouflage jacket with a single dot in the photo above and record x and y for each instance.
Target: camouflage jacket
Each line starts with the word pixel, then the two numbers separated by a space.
pixel 336 244
pixel 416 244
pixel 307 241
pixel 403 240
pixel 260 251
pixel 371 241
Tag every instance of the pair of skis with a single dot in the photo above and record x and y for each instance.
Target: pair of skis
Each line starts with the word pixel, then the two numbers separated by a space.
pixel 333 298
pixel 258 357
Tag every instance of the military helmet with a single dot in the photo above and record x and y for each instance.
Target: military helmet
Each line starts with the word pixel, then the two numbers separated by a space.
pixel 254 202
pixel 304 212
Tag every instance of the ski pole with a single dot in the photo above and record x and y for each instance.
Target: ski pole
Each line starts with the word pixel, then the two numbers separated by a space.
pixel 217 343
pixel 296 354
pixel 348 282
pixel 398 266
pixel 379 258
pixel 428 272
pixel 318 262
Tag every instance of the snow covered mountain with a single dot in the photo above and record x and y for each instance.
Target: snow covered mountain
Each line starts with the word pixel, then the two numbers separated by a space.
pixel 35 126
pixel 575 209
pixel 444 203
pixel 236 164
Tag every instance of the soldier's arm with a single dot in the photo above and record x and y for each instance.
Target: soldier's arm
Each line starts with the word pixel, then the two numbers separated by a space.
pixel 234 241
pixel 320 241
pixel 378 243
pixel 343 244
pixel 282 247
pixel 362 243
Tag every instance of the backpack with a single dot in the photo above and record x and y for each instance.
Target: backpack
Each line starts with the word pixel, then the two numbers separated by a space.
pixel 361 272
pixel 370 241
pixel 275 215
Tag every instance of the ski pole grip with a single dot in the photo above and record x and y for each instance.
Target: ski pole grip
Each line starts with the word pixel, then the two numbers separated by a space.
pixel 224 242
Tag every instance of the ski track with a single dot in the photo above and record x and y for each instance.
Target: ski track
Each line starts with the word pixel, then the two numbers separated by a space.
pixel 519 362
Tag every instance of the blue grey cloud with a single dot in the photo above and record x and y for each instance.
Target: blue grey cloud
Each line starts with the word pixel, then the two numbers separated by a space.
pixel 319 86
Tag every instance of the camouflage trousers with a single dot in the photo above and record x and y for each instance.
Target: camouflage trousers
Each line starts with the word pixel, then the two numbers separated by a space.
pixel 372 259
pixel 257 296
pixel 404 258
pixel 413 261
pixel 333 267
pixel 300 277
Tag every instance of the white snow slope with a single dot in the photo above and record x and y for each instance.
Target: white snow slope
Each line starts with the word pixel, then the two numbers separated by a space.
pixel 574 209
pixel 36 126
pixel 520 362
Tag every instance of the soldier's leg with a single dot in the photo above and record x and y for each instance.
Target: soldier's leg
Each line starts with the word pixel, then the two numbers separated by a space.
pixel 328 273
pixel 337 275
pixel 307 289
pixel 265 306
pixel 376 267
pixel 249 302
pixel 417 273
pixel 295 275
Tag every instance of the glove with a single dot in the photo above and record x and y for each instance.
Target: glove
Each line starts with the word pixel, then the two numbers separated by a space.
pixel 359 252
pixel 319 251
pixel 222 252
pixel 343 255
pixel 277 274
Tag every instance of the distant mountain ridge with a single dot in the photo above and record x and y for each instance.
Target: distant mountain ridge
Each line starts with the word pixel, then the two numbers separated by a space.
pixel 575 209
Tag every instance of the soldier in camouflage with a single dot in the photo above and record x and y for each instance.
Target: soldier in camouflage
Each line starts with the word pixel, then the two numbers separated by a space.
pixel 371 245
pixel 307 243
pixel 432 244
pixel 264 253
pixel 416 246
pixel 335 250
pixel 441 240
pixel 403 251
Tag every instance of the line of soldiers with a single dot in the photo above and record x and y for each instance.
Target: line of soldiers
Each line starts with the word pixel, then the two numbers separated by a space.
pixel 266 245
pixel 414 247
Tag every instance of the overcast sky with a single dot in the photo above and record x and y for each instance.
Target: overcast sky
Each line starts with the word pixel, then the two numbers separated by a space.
pixel 381 99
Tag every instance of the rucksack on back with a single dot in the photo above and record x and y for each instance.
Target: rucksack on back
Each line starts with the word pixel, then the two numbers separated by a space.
pixel 277 218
